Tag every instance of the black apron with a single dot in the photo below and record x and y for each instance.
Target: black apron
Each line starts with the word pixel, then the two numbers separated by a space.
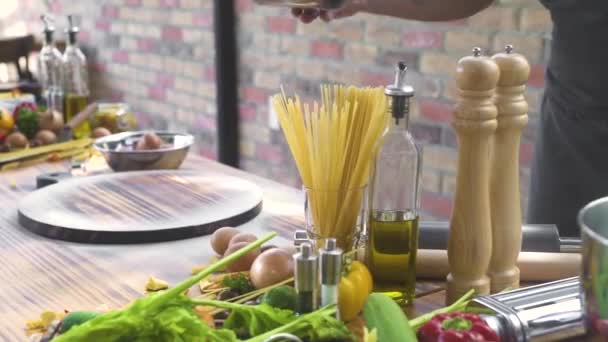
pixel 570 167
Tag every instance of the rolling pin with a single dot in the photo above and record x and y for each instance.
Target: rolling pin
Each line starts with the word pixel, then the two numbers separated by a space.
pixel 535 238
pixel 533 266
pixel 470 239
pixel 505 205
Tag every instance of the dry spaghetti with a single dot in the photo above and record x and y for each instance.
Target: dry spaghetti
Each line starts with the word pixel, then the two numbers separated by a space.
pixel 332 144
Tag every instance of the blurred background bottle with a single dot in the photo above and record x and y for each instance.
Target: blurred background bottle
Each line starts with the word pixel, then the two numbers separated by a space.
pixel 76 86
pixel 50 68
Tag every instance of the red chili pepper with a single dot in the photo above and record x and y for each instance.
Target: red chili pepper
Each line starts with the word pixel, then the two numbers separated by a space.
pixel 457 327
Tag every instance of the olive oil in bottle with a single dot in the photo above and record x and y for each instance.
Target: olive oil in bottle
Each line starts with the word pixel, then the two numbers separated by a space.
pixel 76 87
pixel 392 251
pixel 392 240
pixel 73 105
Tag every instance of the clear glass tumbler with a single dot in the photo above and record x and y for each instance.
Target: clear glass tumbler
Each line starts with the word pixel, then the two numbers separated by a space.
pixel 339 214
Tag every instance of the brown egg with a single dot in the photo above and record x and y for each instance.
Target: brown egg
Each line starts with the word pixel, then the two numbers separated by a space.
pixel 271 267
pixel 16 140
pixel 243 263
pixel 243 237
pixel 150 141
pixel 46 137
pixel 101 132
pixel 220 239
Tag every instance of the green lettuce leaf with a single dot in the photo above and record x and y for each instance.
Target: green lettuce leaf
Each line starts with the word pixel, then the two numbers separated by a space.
pixel 322 328
pixel 257 319
pixel 317 326
pixel 175 321
pixel 163 316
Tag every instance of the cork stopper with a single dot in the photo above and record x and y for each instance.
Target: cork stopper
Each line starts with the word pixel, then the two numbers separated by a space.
pixel 477 72
pixel 514 68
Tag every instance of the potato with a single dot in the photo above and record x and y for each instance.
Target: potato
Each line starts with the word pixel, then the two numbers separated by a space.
pixel 150 141
pixel 243 263
pixel 221 239
pixel 243 237
pixel 46 137
pixel 271 267
pixel 101 132
pixel 16 140
pixel 50 120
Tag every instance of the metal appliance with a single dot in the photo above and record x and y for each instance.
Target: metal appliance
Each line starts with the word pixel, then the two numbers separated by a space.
pixel 545 312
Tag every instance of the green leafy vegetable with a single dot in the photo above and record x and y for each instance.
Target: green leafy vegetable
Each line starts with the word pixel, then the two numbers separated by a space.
pixel 175 322
pixel 27 122
pixel 317 326
pixel 459 305
pixel 164 316
pixel 251 320
pixel 282 297
pixel 263 321
pixel 239 283
pixel 76 318
pixel 396 329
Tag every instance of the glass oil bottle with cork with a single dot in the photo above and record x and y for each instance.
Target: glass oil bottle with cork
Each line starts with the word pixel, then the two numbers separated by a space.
pixel 394 198
pixel 76 80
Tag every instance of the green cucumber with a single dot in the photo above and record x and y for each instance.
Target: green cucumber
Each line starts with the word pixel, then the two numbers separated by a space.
pixel 383 314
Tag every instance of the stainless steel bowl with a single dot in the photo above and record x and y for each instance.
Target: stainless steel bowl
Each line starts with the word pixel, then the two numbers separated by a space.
pixel 120 154
pixel 323 4
pixel 593 221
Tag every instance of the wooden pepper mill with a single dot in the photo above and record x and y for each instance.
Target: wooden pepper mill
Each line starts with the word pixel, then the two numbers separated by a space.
pixel 470 240
pixel 504 179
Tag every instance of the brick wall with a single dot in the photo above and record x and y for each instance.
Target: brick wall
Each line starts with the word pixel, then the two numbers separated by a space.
pixel 156 55
pixel 276 49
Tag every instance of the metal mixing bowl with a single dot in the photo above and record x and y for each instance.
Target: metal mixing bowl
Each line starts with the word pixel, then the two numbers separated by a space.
pixel 324 4
pixel 120 154
pixel 593 221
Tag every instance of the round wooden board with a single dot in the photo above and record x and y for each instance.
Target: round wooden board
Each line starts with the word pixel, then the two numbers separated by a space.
pixel 140 207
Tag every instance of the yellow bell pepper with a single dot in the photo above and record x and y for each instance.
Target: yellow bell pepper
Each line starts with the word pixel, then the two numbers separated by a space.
pixel 356 284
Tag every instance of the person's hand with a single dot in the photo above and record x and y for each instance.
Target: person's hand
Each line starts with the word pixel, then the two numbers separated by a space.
pixel 309 15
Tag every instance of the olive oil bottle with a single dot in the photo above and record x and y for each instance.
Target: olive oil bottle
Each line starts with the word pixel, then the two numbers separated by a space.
pixel 394 198
pixel 76 87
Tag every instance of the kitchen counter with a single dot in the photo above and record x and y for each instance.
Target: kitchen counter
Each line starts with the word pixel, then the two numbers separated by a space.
pixel 39 274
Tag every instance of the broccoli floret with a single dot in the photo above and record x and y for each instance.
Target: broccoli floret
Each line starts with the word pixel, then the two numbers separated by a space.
pixel 282 297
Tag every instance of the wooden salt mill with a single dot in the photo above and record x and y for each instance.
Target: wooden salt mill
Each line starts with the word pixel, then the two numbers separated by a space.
pixel 470 240
pixel 504 178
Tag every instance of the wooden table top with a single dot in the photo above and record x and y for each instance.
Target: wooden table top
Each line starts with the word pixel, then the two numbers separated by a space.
pixel 38 274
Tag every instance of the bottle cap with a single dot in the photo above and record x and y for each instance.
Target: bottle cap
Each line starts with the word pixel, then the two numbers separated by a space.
pixel 305 268
pixel 72 30
pixel 399 93
pixel 331 263
pixel 48 29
